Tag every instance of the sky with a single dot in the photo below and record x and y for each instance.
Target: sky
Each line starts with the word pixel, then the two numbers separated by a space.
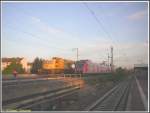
pixel 48 29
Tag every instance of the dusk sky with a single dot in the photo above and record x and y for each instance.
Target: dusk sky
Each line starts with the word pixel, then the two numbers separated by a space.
pixel 48 29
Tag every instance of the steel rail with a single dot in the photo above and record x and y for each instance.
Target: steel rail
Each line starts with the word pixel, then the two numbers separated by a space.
pixel 112 100
pixel 26 100
pixel 47 99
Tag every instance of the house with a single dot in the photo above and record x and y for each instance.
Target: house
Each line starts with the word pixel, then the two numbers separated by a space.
pixel 140 67
pixel 7 61
pixel 29 66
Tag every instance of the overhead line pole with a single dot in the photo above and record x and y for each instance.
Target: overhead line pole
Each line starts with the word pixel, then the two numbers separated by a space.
pixel 112 65
pixel 108 59
pixel 77 54
pixel 100 23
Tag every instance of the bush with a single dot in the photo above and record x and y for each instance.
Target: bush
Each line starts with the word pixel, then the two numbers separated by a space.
pixel 120 74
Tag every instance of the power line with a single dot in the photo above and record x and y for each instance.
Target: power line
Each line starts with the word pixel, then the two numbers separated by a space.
pixel 36 37
pixel 110 24
pixel 77 52
pixel 28 14
pixel 39 38
pixel 99 22
pixel 28 33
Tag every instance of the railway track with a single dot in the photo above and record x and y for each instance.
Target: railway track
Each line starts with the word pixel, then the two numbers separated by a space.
pixel 15 81
pixel 28 101
pixel 114 100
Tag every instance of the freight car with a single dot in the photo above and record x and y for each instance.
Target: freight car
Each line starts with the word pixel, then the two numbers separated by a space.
pixel 87 66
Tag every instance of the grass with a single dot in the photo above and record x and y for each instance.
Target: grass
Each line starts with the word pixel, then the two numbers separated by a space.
pixel 105 77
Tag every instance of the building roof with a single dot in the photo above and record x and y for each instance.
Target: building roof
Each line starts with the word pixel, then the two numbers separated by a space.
pixel 140 65
pixel 17 59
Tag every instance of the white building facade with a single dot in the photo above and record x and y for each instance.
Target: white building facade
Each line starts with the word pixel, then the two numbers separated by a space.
pixel 7 61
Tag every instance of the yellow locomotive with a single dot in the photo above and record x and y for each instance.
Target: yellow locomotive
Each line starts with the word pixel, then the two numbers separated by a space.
pixel 58 65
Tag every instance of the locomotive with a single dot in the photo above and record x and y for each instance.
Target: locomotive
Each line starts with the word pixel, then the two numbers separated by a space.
pixel 57 65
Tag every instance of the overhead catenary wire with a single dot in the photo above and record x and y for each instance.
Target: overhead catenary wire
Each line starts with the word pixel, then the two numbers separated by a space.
pixel 59 54
pixel 110 24
pixel 39 38
pixel 99 22
pixel 35 37
pixel 101 25
pixel 28 14
pixel 114 33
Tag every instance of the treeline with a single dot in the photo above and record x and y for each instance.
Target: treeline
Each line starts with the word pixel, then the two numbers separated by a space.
pixel 121 73
pixel 36 67
pixel 13 66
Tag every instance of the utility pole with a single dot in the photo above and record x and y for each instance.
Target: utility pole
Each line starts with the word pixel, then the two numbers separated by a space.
pixel 112 65
pixel 108 59
pixel 77 54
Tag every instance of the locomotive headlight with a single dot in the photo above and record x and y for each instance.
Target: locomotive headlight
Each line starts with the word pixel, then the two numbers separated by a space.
pixel 73 66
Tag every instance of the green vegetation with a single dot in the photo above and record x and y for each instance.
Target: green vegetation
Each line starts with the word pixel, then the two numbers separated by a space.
pixel 121 71
pixel 118 75
pixel 96 74
pixel 14 65
pixel 37 66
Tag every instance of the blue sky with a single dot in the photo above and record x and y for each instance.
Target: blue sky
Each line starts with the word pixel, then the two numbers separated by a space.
pixel 52 29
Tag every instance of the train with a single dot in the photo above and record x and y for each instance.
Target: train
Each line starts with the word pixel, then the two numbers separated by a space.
pixel 57 65
pixel 87 66
pixel 60 65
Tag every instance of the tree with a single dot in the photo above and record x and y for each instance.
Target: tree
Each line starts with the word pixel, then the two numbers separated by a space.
pixel 120 71
pixel 37 66
pixel 14 65
pixel 119 74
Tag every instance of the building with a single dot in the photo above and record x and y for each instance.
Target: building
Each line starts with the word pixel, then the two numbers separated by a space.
pixel 29 66
pixel 7 61
pixel 140 67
